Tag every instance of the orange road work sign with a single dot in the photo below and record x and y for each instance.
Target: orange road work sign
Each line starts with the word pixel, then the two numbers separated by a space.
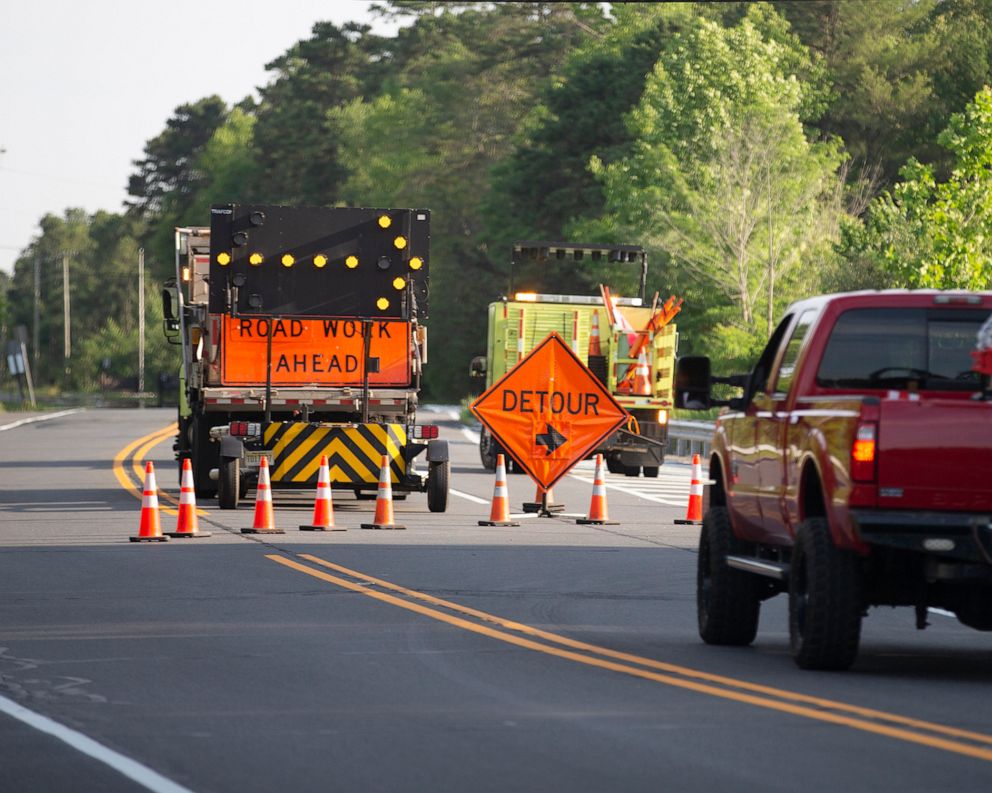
pixel 549 411
pixel 325 351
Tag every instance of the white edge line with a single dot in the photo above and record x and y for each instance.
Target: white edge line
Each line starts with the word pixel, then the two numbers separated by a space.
pixel 132 769
pixel 467 496
pixel 631 492
pixel 473 437
pixel 33 419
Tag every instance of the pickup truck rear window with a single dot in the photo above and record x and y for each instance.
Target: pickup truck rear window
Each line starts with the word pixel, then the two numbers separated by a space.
pixel 893 347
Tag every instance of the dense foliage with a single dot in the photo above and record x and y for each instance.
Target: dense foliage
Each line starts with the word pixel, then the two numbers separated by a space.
pixel 760 152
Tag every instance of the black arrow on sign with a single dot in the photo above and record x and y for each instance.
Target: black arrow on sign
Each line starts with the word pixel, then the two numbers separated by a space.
pixel 552 439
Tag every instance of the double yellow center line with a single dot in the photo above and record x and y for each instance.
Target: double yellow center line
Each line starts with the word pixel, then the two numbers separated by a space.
pixel 936 736
pixel 135 452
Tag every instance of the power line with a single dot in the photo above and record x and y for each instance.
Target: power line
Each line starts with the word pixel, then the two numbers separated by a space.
pixel 60 178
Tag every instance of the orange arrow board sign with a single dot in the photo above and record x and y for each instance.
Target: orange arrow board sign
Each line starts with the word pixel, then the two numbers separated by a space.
pixel 549 411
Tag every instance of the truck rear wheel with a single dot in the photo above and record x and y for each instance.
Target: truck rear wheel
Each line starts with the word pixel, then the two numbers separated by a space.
pixel 438 475
pixel 825 600
pixel 727 600
pixel 651 471
pixel 204 456
pixel 488 449
pixel 229 483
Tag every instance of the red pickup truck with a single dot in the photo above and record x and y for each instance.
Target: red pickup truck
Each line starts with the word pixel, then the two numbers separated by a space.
pixel 855 471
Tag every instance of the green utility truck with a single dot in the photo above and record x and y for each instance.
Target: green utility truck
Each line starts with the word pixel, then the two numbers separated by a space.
pixel 629 344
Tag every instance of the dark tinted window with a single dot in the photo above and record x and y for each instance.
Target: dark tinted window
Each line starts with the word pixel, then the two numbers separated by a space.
pixel 891 347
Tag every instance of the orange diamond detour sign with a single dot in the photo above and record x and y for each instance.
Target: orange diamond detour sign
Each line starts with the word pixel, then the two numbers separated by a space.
pixel 549 411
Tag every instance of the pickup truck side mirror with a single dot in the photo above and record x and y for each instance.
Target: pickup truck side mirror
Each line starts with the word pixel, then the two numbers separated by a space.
pixel 693 383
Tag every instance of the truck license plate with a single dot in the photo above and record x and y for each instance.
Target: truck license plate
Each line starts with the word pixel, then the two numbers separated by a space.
pixel 254 459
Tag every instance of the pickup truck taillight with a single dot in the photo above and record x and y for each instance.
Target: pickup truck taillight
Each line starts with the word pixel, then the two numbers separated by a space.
pixel 863 452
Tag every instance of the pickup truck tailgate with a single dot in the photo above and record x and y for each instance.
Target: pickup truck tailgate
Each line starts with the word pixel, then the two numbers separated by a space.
pixel 935 455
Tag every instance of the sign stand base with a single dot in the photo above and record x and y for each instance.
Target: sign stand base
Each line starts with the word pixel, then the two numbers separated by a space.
pixel 542 508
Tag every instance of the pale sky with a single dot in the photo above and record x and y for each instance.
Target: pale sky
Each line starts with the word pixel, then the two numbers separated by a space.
pixel 85 83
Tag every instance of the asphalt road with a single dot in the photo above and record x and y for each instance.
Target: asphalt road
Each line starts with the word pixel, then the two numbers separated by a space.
pixel 447 657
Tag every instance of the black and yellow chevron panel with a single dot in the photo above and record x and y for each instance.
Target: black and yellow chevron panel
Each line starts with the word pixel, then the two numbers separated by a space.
pixel 354 453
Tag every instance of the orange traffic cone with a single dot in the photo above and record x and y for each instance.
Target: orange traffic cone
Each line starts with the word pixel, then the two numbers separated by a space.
pixel 642 376
pixel 384 501
pixel 499 514
pixel 597 507
pixel 323 510
pixel 594 348
pixel 540 504
pixel 694 510
pixel 187 525
pixel 150 527
pixel 264 522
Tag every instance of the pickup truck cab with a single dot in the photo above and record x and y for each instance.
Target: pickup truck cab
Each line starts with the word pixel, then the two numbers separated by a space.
pixel 854 471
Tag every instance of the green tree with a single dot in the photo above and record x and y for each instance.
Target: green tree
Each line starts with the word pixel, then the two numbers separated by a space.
pixel 928 233
pixel 882 58
pixel 723 181
pixel 166 176
pixel 113 348
pixel 295 148
pixel 467 80
pixel 545 183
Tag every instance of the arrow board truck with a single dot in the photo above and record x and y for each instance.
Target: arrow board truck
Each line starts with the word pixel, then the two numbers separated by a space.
pixel 302 334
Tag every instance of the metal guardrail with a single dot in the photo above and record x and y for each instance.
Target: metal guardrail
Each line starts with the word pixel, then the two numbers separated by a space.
pixel 686 438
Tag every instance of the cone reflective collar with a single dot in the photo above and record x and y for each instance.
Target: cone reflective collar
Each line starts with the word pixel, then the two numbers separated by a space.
pixel 694 509
pixel 323 509
pixel 499 514
pixel 187 524
pixel 264 519
pixel 150 526
pixel 598 515
pixel 384 501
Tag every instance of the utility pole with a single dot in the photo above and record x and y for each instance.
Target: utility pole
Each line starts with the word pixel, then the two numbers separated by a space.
pixel 35 328
pixel 141 320
pixel 67 330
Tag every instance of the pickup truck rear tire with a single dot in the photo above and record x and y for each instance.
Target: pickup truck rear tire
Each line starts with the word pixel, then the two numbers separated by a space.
pixel 825 600
pixel 728 601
